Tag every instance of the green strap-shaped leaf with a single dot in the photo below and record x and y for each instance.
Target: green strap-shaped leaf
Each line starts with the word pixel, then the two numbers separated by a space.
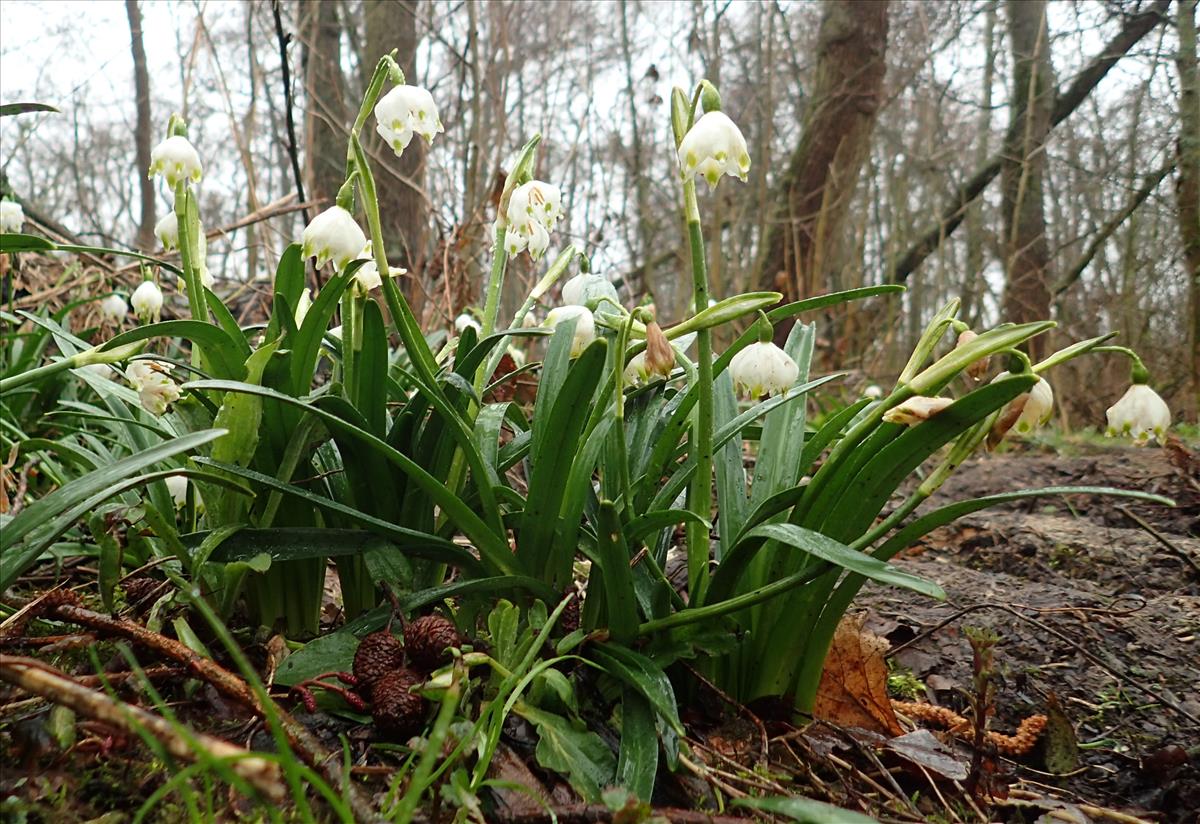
pixel 224 354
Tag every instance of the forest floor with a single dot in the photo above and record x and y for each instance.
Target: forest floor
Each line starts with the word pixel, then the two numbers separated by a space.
pixel 1096 604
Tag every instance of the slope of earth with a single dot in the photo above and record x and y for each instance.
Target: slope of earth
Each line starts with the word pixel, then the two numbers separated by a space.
pixel 1096 601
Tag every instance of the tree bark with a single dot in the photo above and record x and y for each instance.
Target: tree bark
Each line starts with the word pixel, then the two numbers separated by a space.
pixel 1027 252
pixel 799 250
pixel 392 24
pixel 141 84
pixel 951 217
pixel 324 91
pixel 1187 184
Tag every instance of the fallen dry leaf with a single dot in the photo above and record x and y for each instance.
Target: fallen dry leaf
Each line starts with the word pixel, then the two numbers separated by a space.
pixel 853 689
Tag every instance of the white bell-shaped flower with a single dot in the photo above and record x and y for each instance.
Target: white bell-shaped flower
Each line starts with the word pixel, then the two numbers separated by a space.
pixel 114 307
pixel 403 112
pixel 464 322
pixel 177 485
pixel 100 370
pixel 154 386
pixel 873 392
pixel 167 230
pixel 147 302
pixel 714 146
pixel 1140 413
pixel 763 368
pixel 585 325
pixel 333 235
pixel 12 216
pixel 366 277
pixel 176 159
pixel 533 210
pixel 303 304
pixel 1038 407
pixel 590 291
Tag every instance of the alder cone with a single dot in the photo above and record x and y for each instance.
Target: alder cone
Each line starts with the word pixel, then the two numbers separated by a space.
pixel 568 619
pixel 398 712
pixel 427 639
pixel 378 654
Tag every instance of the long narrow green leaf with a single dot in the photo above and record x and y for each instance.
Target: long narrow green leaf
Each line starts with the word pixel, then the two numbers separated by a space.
pixel 223 353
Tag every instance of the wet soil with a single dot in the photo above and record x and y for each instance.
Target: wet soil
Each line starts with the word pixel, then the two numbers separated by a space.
pixel 1091 606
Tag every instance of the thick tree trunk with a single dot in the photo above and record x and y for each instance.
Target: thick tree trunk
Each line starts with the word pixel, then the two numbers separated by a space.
pixel 1187 184
pixel 141 138
pixel 392 24
pixel 800 249
pixel 324 92
pixel 1027 251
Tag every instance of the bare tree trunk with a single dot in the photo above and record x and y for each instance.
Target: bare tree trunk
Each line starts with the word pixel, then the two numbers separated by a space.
pixel 1187 184
pixel 840 114
pixel 392 24
pixel 975 285
pixel 141 85
pixel 1027 252
pixel 640 182
pixel 324 91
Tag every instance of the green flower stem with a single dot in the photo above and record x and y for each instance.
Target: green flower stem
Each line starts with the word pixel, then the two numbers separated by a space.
pixel 188 246
pixel 619 360
pixel 491 307
pixel 386 65
pixel 402 315
pixel 1138 371
pixel 85 358
pixel 700 489
pixel 351 339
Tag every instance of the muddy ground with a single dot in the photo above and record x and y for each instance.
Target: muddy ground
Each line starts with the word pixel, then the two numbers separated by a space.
pixel 1089 605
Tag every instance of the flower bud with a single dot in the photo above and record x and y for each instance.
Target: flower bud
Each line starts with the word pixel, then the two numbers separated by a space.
pixel 979 368
pixel 333 235
pixel 763 368
pixel 915 410
pixel 12 216
pixel 303 304
pixel 114 307
pixel 167 230
pixel 873 392
pixel 176 159
pixel 713 147
pixel 465 321
pixel 1141 413
pixel 585 325
pixel 403 112
pixel 147 302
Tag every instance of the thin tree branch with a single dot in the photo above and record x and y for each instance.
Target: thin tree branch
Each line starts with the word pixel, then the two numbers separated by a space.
pixel 293 151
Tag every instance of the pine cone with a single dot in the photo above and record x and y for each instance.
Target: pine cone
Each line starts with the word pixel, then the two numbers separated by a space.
pixel 397 712
pixel 427 639
pixel 568 619
pixel 378 654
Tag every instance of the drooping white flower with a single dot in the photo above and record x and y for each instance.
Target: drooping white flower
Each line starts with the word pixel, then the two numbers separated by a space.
pixel 154 386
pixel 714 146
pixel 1140 413
pixel 1038 406
pixel 167 230
pixel 589 291
pixel 176 159
pixel 12 216
pixel 177 485
pixel 147 302
pixel 303 304
pixel 763 367
pixel 100 370
pixel 333 235
pixel 916 409
pixel 464 322
pixel 366 277
pixel 873 392
pixel 114 307
pixel 533 210
pixel 585 325
pixel 403 112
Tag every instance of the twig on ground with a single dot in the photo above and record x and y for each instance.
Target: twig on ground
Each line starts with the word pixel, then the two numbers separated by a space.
pixel 1178 552
pixel 35 677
